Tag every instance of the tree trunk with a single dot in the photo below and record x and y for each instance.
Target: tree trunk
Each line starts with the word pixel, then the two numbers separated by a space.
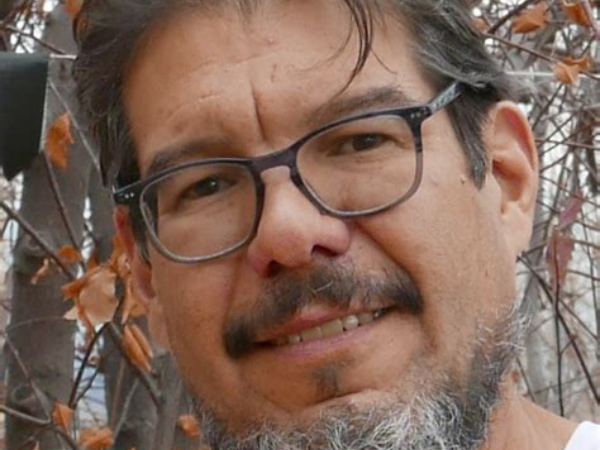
pixel 131 413
pixel 44 341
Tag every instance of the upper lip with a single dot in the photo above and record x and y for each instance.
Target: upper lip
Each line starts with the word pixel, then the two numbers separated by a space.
pixel 311 318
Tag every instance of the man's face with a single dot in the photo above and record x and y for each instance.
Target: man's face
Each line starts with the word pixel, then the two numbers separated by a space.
pixel 256 84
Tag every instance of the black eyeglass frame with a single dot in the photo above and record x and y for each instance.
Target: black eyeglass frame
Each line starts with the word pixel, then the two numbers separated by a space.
pixel 414 116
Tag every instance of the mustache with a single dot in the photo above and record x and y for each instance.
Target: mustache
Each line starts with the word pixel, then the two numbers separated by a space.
pixel 332 285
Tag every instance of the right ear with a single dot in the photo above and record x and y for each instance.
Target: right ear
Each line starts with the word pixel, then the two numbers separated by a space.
pixel 141 275
pixel 140 269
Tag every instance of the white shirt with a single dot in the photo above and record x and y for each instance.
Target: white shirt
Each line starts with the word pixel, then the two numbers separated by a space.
pixel 585 437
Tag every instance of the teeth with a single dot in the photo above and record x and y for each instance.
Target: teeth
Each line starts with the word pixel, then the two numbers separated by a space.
pixel 329 329
pixel 332 328
pixel 365 318
pixel 311 334
pixel 350 323
pixel 293 339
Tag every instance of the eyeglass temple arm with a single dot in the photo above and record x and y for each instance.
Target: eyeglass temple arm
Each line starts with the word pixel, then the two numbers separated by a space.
pixel 447 96
pixel 124 196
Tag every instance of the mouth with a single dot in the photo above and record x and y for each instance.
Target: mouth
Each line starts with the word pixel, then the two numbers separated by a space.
pixel 324 329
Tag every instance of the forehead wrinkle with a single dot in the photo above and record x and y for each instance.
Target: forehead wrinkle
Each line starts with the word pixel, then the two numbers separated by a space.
pixel 344 105
pixel 194 150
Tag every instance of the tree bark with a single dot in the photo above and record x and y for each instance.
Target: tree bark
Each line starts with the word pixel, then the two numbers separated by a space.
pixel 42 340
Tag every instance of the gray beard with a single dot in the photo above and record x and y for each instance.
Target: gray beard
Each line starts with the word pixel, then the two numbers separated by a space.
pixel 451 415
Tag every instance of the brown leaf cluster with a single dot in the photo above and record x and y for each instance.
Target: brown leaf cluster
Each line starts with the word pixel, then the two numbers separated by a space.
pixel 577 12
pixel 73 7
pixel 567 71
pixel 189 424
pixel 137 347
pixel 96 438
pixel 42 272
pixel 69 255
pixel 532 19
pixel 62 416
pixel 94 294
pixel 480 24
pixel 94 297
pixel 560 247
pixel 58 141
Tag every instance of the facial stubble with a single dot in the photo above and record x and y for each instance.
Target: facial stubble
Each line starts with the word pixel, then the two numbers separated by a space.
pixel 446 412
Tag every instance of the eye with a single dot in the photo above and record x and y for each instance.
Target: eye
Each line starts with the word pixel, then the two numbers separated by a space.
pixel 359 143
pixel 366 142
pixel 207 187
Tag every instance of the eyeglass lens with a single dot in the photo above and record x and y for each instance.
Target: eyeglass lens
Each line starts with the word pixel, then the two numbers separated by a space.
pixel 205 209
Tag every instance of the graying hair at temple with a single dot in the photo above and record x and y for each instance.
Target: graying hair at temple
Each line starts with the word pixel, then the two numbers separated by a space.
pixel 446 45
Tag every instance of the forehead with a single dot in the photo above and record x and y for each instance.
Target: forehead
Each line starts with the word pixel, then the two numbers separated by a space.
pixel 260 79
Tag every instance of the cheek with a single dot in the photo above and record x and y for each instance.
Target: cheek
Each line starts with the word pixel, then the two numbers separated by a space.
pixel 450 241
pixel 195 302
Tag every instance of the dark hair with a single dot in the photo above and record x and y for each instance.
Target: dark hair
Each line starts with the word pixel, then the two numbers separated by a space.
pixel 444 40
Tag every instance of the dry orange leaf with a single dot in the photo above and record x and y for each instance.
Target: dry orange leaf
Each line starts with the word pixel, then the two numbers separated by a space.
pixel 58 141
pixel 69 254
pixel 140 337
pixel 117 248
pixel 94 296
pixel 73 7
pixel 134 350
pixel 92 260
pixel 62 415
pixel 189 425
pixel 480 24
pixel 72 289
pixel 586 63
pixel 577 12
pixel 42 272
pixel 532 19
pixel 96 438
pixel 132 305
pixel 97 297
pixel 566 73
pixel 118 261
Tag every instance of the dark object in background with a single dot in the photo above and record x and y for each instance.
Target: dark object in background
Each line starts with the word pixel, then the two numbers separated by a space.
pixel 22 98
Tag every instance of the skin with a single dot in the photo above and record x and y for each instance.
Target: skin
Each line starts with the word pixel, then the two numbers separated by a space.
pixel 257 83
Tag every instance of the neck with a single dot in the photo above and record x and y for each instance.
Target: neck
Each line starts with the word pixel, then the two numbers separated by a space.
pixel 518 424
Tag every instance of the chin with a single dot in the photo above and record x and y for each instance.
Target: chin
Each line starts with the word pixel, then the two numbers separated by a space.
pixel 439 410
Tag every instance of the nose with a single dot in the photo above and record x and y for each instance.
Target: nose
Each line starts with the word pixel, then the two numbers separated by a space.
pixel 292 229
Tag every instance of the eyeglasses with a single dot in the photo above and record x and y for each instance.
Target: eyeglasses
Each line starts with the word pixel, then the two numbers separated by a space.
pixel 355 167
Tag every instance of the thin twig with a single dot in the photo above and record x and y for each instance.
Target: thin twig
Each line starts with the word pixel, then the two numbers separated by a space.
pixel 564 324
pixel 535 53
pixel 34 388
pixel 25 226
pixel 62 209
pixel 88 386
pixel 86 144
pixel 25 417
pixel 73 396
pixel 559 353
pixel 34 37
pixel 510 15
pixel 144 376
pixel 125 407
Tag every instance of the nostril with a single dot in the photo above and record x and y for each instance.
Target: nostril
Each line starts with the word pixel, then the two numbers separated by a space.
pixel 324 251
pixel 273 269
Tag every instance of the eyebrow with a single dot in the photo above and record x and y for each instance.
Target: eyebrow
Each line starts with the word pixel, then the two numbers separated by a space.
pixel 381 97
pixel 337 108
pixel 194 149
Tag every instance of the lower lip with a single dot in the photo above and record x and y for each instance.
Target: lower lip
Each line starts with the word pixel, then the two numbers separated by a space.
pixel 324 347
